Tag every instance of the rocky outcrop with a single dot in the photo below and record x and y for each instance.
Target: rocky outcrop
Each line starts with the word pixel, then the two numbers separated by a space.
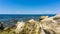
pixel 48 25
pixel 52 23
pixel 20 26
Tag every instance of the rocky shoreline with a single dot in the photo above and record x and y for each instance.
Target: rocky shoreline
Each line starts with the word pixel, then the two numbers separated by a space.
pixel 45 25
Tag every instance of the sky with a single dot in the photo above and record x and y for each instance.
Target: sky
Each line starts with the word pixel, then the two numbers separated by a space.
pixel 29 6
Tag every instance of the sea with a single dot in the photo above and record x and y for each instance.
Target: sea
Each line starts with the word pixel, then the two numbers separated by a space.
pixel 6 18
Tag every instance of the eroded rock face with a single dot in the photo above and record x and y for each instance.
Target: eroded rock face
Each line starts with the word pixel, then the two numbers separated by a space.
pixel 29 27
pixel 49 25
pixel 20 26
pixel 57 20
pixel 52 23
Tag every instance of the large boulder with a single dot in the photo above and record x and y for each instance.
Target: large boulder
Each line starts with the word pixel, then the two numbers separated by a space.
pixel 52 23
pixel 20 26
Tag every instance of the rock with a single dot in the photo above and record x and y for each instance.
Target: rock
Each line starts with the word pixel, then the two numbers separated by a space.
pixel 43 17
pixel 51 23
pixel 48 25
pixel 20 26
pixel 1 26
pixel 31 27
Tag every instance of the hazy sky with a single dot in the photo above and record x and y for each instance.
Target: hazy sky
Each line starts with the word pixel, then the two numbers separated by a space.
pixel 29 6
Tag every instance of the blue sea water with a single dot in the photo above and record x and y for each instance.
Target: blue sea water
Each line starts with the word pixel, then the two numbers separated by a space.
pixel 5 18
